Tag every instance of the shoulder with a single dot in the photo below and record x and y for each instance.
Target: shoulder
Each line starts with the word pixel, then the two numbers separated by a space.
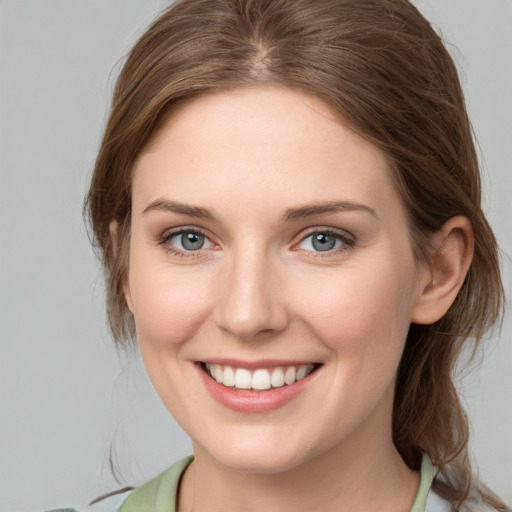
pixel 110 503
pixel 149 497
pixel 428 500
pixel 158 492
pixel 437 504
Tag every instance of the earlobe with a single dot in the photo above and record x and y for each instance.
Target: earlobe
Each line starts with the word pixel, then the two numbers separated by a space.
pixel 115 238
pixel 127 292
pixel 444 277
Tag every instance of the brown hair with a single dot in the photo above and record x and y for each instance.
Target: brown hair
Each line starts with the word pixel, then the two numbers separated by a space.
pixel 384 71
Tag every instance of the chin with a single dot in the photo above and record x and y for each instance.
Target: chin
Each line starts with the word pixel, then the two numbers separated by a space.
pixel 259 456
pixel 250 462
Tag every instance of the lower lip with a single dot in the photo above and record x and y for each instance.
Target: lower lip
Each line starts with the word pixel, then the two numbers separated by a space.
pixel 254 401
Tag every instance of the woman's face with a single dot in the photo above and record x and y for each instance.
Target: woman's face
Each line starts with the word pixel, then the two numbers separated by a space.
pixel 270 249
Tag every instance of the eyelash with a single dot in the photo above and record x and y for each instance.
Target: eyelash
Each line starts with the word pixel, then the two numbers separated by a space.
pixel 347 242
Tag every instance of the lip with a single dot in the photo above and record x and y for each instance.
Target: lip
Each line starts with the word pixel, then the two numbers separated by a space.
pixel 248 401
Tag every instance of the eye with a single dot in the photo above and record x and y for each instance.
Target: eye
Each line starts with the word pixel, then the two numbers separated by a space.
pixel 187 240
pixel 324 241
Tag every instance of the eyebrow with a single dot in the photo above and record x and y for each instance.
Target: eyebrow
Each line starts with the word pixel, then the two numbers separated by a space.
pixel 310 210
pixel 291 214
pixel 181 209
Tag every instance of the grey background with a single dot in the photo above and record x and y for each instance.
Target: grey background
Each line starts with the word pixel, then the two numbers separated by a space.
pixel 65 395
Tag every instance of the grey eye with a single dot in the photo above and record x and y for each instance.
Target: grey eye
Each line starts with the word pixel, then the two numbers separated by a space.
pixel 190 241
pixel 321 242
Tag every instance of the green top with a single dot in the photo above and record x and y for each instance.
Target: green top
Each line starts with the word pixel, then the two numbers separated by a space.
pixel 159 494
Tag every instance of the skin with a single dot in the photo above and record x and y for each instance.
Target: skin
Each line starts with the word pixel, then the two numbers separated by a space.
pixel 258 289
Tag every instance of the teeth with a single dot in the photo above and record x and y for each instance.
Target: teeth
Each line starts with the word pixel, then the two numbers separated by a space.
pixel 242 379
pixel 302 371
pixel 289 376
pixel 261 379
pixel 218 374
pixel 277 378
pixel 229 377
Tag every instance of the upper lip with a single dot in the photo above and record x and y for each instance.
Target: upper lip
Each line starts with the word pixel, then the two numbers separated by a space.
pixel 260 363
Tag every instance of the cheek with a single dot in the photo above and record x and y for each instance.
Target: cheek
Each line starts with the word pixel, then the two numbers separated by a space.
pixel 361 311
pixel 168 305
pixel 169 308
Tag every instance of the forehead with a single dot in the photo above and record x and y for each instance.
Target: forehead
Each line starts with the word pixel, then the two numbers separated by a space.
pixel 261 144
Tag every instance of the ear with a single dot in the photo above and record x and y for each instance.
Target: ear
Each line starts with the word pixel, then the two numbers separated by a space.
pixel 444 277
pixel 116 239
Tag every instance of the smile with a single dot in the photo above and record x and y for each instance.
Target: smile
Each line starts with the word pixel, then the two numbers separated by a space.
pixel 257 387
pixel 260 379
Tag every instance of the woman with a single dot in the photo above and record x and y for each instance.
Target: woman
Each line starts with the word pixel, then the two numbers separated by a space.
pixel 287 203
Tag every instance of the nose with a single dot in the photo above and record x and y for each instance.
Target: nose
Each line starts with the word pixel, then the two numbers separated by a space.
pixel 252 304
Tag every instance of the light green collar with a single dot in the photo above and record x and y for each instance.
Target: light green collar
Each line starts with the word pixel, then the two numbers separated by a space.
pixel 159 494
pixel 427 475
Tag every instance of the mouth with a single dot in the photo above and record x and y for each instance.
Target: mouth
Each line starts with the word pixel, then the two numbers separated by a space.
pixel 258 379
